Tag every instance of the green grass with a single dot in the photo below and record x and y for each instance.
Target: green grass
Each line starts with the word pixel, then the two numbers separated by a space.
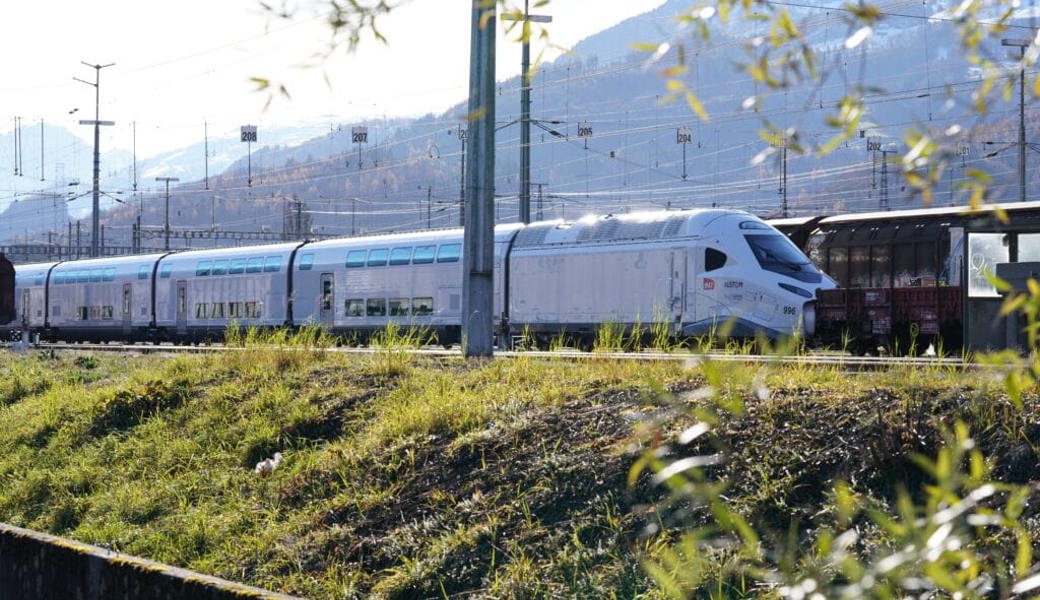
pixel 417 477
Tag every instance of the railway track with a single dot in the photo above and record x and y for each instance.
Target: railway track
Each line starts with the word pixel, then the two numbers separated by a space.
pixel 851 363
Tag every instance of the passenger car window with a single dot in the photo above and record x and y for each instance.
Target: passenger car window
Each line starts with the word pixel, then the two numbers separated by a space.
pixel 398 307
pixel 142 271
pixel 272 264
pixel 713 259
pixel 165 271
pixel 255 264
pixel 354 307
pixel 238 265
pixel 376 307
pixel 449 253
pixel 220 267
pixel 306 261
pixel 400 256
pixel 356 258
pixel 377 258
pixel 422 306
pixel 423 255
pixel 110 274
pixel 203 268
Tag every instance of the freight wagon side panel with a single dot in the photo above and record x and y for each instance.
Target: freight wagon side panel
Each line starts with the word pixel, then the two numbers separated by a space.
pixel 7 310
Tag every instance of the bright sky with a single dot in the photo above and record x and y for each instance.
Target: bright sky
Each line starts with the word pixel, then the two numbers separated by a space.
pixel 180 63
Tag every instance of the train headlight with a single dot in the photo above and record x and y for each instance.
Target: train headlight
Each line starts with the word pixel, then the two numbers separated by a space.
pixel 809 318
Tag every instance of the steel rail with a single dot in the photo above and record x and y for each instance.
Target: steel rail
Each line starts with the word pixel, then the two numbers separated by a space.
pixel 809 359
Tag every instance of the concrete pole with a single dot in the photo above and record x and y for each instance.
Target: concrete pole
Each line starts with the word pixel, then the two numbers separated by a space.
pixel 479 230
pixel 525 127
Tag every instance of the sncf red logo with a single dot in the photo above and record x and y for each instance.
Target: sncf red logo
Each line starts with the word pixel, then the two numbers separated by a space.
pixel 709 283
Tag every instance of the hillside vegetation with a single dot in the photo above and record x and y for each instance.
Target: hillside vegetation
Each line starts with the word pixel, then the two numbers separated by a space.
pixel 425 478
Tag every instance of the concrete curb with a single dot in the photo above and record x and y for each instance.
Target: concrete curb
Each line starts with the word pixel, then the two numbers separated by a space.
pixel 38 566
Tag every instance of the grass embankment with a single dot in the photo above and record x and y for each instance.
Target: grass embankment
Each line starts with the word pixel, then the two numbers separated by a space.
pixel 417 478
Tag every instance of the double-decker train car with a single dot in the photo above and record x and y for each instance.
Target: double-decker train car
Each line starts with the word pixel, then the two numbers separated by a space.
pixel 698 271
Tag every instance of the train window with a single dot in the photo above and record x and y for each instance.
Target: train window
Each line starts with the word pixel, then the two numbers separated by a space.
pixel 235 310
pixel 753 225
pixel 272 264
pixel 255 264
pixel 58 279
pixel 216 310
pixel 95 312
pixel 110 274
pixel 142 271
pixel 82 276
pixel 220 267
pixel 200 310
pixel 776 253
pixel 254 310
pixel 356 258
pixel 81 313
pixel 107 312
pixel 376 307
pixel 306 261
pixel 377 257
pixel 354 307
pixel 95 275
pixel 203 268
pixel 400 256
pixel 165 271
pixel 424 255
pixel 39 279
pixel 449 253
pixel 326 294
pixel 398 307
pixel 713 259
pixel 422 307
pixel 880 266
pixel 126 301
pixel 238 265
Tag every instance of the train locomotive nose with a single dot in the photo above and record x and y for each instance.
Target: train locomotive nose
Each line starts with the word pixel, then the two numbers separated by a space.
pixel 809 318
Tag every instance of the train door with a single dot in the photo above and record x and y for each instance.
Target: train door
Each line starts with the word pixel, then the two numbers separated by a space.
pixel 677 295
pixel 182 307
pixel 327 308
pixel 127 306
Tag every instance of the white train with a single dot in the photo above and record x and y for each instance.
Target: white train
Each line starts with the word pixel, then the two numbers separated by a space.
pixel 693 270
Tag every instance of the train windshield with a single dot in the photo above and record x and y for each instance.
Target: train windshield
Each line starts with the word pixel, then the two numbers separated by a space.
pixel 778 254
